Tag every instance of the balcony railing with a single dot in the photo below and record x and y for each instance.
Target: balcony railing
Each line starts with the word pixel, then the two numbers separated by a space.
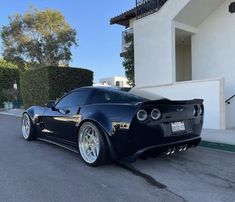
pixel 147 7
pixel 126 39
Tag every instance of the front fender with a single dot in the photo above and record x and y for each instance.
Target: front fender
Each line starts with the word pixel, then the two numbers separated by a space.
pixel 34 112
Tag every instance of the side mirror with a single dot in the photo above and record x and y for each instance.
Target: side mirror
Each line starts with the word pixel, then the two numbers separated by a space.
pixel 64 112
pixel 51 104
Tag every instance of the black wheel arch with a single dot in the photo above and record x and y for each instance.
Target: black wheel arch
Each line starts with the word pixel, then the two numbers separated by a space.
pixel 32 111
pixel 31 114
pixel 32 126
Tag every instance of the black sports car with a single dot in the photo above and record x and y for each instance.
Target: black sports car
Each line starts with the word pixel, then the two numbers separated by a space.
pixel 105 123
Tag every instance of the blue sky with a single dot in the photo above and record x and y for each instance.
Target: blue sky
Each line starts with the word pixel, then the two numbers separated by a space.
pixel 99 42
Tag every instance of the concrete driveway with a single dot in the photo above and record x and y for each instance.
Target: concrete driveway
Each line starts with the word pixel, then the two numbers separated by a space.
pixel 37 171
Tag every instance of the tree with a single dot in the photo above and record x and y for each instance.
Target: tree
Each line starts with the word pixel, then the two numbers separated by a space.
pixel 128 61
pixel 5 64
pixel 38 38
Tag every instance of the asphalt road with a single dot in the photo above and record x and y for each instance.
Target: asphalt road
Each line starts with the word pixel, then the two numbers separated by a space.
pixel 37 171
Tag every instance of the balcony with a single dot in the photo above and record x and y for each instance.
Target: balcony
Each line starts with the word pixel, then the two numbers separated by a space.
pixel 126 40
pixel 147 7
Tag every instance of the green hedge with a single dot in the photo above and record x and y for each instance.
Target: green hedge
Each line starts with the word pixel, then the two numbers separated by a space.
pixel 49 83
pixel 7 78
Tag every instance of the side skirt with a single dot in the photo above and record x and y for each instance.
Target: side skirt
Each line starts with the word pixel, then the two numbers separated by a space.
pixel 65 146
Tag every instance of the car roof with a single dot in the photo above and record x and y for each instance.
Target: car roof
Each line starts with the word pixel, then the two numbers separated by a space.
pixel 93 88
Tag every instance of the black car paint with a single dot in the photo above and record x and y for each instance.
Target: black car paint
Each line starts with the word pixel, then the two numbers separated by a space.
pixel 125 135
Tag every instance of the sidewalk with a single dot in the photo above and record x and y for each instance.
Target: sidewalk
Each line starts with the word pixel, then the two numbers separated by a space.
pixel 216 139
pixel 13 112
pixel 219 139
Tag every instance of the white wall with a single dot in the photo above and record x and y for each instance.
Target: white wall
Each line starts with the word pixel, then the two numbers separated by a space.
pixel 154 38
pixel 122 80
pixel 213 53
pixel 213 101
pixel 108 80
pixel 111 81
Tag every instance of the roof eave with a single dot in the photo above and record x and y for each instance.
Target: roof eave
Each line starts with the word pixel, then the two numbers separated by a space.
pixel 124 18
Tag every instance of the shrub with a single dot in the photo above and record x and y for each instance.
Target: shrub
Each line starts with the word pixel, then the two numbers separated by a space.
pixel 8 76
pixel 6 64
pixel 49 83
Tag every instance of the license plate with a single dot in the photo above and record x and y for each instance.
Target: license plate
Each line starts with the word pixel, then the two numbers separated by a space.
pixel 178 126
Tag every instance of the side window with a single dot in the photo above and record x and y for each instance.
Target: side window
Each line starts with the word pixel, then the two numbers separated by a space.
pixel 73 99
pixel 98 97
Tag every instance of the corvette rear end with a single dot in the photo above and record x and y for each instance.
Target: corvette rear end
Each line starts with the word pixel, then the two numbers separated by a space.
pixel 164 126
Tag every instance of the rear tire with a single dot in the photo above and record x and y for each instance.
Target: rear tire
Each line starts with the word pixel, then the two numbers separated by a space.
pixel 92 145
pixel 27 127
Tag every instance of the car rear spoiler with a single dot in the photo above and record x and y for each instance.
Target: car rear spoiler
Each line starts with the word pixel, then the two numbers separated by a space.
pixel 170 102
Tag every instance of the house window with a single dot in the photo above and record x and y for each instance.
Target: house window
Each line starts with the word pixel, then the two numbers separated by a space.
pixel 118 83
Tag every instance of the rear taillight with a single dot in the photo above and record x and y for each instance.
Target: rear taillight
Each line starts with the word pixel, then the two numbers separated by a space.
pixel 142 115
pixel 201 110
pixel 155 114
pixel 195 110
pixel 198 110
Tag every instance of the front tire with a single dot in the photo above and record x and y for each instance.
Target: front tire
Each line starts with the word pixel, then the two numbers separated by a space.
pixel 27 127
pixel 92 145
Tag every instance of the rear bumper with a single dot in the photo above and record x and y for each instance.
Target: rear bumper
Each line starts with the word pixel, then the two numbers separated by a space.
pixel 161 134
pixel 142 137
pixel 127 143
pixel 193 142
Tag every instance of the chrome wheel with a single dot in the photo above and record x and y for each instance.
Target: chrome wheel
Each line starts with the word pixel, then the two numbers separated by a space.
pixel 26 126
pixel 89 143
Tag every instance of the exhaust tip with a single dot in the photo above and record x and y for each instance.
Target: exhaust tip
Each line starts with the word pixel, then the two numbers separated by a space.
pixel 181 148
pixel 173 150
pixel 185 147
pixel 168 152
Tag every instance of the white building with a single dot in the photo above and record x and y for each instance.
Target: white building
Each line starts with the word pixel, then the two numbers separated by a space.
pixel 186 49
pixel 116 81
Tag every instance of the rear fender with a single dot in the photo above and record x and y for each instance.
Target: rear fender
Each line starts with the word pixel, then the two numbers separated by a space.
pixel 100 119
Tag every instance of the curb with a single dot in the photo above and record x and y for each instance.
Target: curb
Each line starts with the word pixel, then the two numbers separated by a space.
pixel 218 145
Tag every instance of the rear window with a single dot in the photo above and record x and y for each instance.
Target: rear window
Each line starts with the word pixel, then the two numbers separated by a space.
pixel 145 94
pixel 114 97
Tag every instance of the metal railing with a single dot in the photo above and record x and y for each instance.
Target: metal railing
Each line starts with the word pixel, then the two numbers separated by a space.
pixel 228 100
pixel 147 7
pixel 125 42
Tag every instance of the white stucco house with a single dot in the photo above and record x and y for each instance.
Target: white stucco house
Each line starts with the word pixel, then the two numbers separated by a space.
pixel 115 81
pixel 185 49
